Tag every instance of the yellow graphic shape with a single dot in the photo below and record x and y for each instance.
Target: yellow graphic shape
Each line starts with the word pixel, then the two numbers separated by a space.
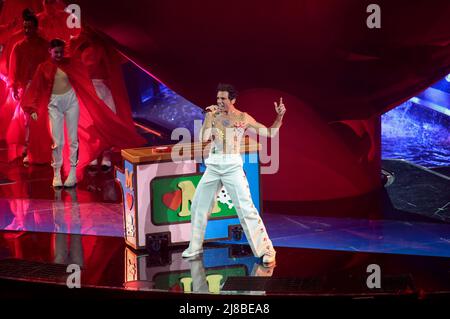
pixel 128 179
pixel 187 194
pixel 212 280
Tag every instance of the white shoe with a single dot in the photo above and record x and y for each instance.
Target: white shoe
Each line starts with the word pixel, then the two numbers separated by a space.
pixel 57 182
pixel 93 163
pixel 26 160
pixel 188 253
pixel 71 180
pixel 269 257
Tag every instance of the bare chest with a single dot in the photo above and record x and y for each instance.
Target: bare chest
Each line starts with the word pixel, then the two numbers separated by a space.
pixel 230 121
pixel 60 75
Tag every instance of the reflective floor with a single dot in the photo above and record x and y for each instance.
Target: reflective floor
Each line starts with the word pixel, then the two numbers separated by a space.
pixel 222 269
pixel 66 215
pixel 43 230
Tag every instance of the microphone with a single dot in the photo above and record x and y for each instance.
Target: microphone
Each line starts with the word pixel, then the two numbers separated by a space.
pixel 218 109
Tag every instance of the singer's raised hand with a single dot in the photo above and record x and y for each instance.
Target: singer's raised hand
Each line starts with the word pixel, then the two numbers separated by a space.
pixel 280 108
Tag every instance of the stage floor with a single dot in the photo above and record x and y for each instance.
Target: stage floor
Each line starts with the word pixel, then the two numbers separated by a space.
pixel 223 269
pixel 43 231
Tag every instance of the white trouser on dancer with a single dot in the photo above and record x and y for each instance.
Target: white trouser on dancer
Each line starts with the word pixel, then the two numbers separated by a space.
pixel 226 170
pixel 64 106
pixel 104 93
pixel 27 119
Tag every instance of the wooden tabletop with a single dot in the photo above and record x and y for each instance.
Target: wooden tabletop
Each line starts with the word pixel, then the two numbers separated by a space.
pixel 183 151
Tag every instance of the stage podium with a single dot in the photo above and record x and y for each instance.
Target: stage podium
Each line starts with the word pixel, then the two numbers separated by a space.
pixel 158 184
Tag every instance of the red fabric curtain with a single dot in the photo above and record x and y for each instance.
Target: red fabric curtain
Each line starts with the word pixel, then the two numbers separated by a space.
pixel 320 51
pixel 336 74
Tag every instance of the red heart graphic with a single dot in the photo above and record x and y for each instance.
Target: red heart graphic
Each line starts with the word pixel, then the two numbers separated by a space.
pixel 172 200
pixel 129 201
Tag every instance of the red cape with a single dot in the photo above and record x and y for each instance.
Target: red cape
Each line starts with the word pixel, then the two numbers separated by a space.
pixel 7 108
pixel 13 9
pixel 53 24
pixel 103 62
pixel 98 129
pixel 8 46
pixel 25 58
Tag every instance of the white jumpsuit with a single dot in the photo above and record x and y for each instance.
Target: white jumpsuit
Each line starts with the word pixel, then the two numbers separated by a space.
pixel 227 170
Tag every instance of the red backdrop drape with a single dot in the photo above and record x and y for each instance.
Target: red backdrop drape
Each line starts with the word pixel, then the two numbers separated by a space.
pixel 336 75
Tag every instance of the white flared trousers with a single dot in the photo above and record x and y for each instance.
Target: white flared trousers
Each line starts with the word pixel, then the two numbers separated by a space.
pixel 227 170
pixel 64 107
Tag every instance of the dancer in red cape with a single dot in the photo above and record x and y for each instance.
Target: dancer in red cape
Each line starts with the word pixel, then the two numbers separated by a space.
pixel 27 54
pixel 98 127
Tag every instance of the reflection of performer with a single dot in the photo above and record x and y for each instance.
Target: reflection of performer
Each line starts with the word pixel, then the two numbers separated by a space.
pixel 68 248
pixel 226 126
pixel 198 274
pixel 200 282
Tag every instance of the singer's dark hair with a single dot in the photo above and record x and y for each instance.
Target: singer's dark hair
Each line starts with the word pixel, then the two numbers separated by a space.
pixel 57 43
pixel 232 92
pixel 28 15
